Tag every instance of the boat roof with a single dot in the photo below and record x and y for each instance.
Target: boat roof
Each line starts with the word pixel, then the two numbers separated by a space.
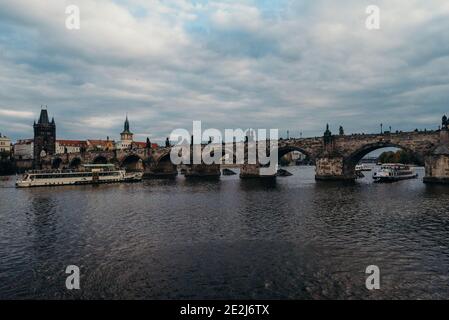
pixel 394 165
pixel 106 165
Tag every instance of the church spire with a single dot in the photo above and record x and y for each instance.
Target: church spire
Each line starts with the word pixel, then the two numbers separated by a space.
pixel 126 136
pixel 126 126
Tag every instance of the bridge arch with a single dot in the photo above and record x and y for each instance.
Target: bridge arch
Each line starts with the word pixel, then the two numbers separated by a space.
pixel 282 151
pixel 75 163
pixel 225 157
pixel 226 153
pixel 164 157
pixel 161 165
pixel 358 154
pixel 132 162
pixel 56 163
pixel 353 159
pixel 100 159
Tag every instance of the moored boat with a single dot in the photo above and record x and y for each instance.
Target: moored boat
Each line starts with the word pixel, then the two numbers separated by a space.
pixel 362 167
pixel 91 174
pixel 391 172
pixel 133 176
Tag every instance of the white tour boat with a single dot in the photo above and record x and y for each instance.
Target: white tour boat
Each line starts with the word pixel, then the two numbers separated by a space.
pixel 390 172
pixel 362 167
pixel 92 174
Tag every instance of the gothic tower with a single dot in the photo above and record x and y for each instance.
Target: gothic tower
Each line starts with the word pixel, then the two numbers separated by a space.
pixel 126 135
pixel 44 137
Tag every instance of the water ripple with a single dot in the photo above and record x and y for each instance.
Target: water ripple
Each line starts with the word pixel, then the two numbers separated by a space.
pixel 293 239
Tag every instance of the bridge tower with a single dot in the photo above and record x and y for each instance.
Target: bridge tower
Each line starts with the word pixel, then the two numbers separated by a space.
pixel 44 137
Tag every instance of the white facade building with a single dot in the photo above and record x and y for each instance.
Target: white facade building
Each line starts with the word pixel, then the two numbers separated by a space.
pixel 5 144
pixel 69 146
pixel 24 149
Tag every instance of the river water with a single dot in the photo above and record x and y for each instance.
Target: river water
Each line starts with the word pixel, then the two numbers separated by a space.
pixel 294 238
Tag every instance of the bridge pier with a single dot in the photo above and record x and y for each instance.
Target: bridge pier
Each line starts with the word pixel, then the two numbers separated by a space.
pixel 437 168
pixel 164 169
pixel 202 171
pixel 249 171
pixel 333 168
pixel 437 163
pixel 252 171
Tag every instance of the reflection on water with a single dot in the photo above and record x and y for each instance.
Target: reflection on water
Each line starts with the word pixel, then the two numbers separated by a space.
pixel 228 238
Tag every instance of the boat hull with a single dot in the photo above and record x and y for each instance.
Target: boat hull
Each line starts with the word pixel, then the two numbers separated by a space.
pixel 394 179
pixel 67 178
pixel 65 183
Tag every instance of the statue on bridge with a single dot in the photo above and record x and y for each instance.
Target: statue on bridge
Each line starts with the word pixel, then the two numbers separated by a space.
pixel 327 135
pixel 444 123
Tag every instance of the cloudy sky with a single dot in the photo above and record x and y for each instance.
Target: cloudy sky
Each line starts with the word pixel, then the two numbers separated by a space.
pixel 292 65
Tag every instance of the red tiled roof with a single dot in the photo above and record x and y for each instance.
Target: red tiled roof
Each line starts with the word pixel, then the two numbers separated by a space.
pixel 144 144
pixel 140 144
pixel 99 142
pixel 72 143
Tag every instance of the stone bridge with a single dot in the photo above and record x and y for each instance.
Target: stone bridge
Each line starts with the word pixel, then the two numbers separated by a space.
pixel 335 156
pixel 340 154
pixel 152 161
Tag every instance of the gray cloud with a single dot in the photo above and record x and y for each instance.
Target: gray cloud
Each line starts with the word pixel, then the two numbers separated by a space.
pixel 292 65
